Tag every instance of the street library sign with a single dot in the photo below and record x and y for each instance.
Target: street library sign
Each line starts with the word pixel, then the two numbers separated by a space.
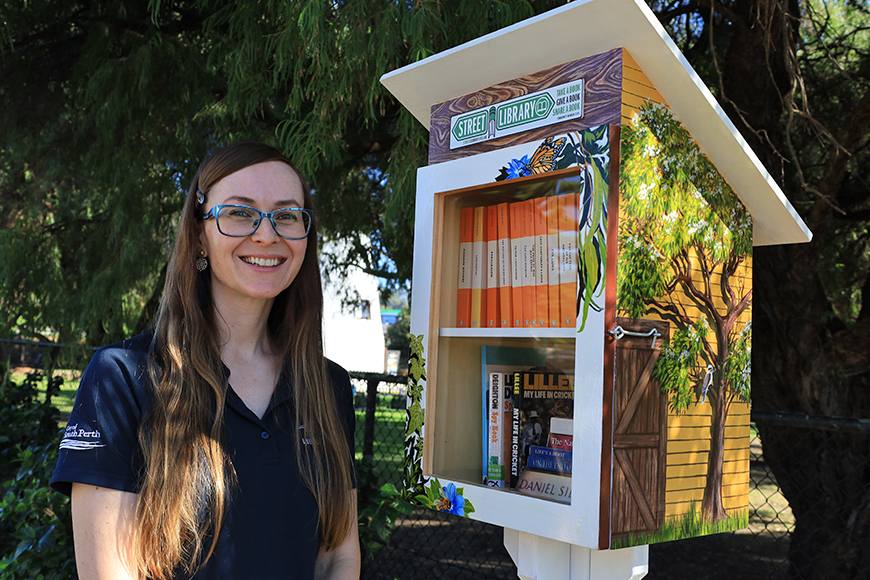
pixel 539 109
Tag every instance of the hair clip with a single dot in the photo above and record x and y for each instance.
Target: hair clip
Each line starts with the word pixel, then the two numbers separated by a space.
pixel 200 197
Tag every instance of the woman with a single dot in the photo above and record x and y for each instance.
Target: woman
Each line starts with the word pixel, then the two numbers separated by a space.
pixel 220 444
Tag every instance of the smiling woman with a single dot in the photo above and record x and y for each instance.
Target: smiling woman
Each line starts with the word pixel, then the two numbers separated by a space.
pixel 214 430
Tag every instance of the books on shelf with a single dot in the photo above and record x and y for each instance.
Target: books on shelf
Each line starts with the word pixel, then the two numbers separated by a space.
pixel 466 239
pixel 568 236
pixel 478 269
pixel 553 261
pixel 518 264
pixel 516 277
pixel 541 281
pixel 491 275
pixel 498 365
pixel 543 404
pixel 504 266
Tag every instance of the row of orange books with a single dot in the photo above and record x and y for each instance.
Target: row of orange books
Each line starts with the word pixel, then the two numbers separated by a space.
pixel 518 264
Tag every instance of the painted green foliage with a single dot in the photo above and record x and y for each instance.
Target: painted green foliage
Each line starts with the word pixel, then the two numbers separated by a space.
pixel 447 498
pixel 683 235
pixel 595 160
pixel 413 478
pixel 589 150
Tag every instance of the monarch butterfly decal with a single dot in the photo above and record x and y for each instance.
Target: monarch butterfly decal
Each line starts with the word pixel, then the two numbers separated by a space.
pixel 545 156
pixel 544 159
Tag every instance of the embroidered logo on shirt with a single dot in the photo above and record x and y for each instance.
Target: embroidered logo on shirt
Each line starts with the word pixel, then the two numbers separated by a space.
pixel 305 440
pixel 81 438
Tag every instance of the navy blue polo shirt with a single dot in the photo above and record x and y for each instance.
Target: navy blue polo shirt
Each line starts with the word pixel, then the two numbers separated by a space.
pixel 271 528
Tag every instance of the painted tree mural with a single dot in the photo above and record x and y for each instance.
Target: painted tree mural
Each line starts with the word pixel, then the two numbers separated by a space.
pixel 683 236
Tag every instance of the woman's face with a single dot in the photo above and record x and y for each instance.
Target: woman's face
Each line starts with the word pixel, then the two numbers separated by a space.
pixel 257 267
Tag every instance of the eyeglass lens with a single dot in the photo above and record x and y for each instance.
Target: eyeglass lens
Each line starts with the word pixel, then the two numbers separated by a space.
pixel 241 221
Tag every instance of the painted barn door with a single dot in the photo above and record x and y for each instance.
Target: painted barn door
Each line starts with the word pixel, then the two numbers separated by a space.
pixel 640 422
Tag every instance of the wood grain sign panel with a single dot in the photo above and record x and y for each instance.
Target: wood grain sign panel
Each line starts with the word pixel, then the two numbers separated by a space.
pixel 602 102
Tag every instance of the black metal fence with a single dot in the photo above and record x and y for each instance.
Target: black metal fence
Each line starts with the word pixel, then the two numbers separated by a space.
pixel 428 544
pixel 431 545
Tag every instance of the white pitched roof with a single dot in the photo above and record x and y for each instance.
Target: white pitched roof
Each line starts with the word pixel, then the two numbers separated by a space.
pixel 586 27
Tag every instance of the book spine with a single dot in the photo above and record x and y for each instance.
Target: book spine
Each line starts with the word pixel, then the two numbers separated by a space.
pixel 561 442
pixel 478 269
pixel 516 264
pixel 553 260
pixel 492 274
pixel 515 431
pixel 568 253
pixel 466 238
pixel 527 245
pixel 550 453
pixel 554 465
pixel 542 279
pixel 504 266
pixel 495 465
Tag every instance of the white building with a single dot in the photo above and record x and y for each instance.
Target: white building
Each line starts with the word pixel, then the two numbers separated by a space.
pixel 354 337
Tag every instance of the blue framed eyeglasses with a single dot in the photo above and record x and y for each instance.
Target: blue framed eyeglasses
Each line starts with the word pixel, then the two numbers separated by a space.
pixel 239 221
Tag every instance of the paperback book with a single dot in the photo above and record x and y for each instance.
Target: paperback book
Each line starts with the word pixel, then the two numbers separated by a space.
pixel 501 362
pixel 542 401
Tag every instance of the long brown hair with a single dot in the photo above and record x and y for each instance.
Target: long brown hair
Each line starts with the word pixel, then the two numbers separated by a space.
pixel 189 477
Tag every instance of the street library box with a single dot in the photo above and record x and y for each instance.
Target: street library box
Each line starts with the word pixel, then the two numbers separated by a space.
pixel 582 288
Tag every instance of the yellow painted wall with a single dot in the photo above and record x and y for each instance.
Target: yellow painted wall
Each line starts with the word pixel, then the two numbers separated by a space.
pixel 689 433
pixel 636 88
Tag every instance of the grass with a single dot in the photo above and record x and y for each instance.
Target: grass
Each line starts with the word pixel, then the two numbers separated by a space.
pixel 688 525
pixel 389 443
pixel 62 400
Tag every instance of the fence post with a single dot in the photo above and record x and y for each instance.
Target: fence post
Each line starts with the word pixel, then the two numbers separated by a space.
pixel 369 427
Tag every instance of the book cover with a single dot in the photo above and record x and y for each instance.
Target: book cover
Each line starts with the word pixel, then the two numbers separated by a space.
pixel 478 269
pixel 542 283
pixel 553 261
pixel 504 266
pixel 466 238
pixel 505 360
pixel 568 254
pixel 538 397
pixel 516 232
pixel 492 274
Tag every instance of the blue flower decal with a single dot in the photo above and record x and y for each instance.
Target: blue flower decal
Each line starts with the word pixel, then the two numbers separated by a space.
pixel 450 502
pixel 518 167
pixel 445 499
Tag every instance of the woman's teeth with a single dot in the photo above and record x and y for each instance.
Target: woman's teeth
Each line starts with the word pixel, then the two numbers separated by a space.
pixel 271 262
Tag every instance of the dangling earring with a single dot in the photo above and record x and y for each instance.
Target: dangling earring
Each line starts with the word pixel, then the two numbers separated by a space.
pixel 201 262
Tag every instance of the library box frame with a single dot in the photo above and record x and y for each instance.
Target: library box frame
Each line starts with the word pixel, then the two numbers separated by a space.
pixel 670 201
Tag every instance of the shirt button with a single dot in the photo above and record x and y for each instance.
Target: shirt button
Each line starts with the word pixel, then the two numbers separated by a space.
pixel 264 435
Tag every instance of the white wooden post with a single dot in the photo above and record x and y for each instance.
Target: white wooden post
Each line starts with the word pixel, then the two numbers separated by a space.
pixel 539 558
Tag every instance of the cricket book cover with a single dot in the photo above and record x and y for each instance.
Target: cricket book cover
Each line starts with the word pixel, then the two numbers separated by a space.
pixel 541 400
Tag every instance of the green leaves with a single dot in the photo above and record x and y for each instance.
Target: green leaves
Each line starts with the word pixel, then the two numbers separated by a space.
pixel 35 534
pixel 378 509
pixel 678 367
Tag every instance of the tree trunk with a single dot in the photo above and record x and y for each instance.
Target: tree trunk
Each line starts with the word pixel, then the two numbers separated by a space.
pixel 712 508
pixel 825 476
pixel 804 359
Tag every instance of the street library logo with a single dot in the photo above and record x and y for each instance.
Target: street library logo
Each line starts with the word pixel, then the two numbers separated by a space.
pixel 80 437
pixel 553 105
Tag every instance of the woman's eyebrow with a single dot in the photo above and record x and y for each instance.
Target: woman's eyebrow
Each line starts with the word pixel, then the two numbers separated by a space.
pixel 278 204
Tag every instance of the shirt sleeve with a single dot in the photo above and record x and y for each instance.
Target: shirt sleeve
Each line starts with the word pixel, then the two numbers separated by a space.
pixel 100 444
pixel 344 399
